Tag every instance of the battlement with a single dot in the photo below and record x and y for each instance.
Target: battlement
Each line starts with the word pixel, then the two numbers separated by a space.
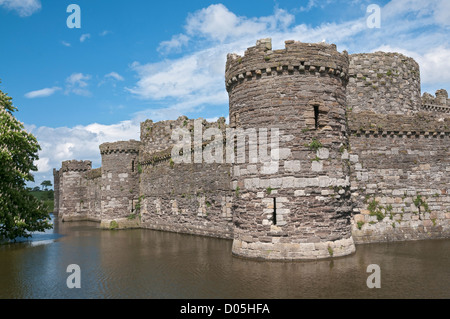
pixel 120 147
pixel 297 57
pixel 382 125
pixel 160 133
pixel 76 166
pixel 157 137
pixel 440 103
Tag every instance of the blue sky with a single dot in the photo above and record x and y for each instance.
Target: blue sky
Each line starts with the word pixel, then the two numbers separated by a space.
pixel 133 60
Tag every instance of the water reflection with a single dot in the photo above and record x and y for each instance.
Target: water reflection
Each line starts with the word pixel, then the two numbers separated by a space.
pixel 151 264
pixel 41 238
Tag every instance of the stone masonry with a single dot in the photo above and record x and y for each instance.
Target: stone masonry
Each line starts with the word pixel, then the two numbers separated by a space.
pixel 339 150
pixel 301 91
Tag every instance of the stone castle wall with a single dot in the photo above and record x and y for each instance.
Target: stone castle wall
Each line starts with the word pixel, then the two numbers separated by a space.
pixel 362 157
pixel 93 180
pixel 183 197
pixel 400 176
pixel 193 199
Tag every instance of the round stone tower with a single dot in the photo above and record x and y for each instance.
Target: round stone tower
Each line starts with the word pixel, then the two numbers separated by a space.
pixel 72 190
pixel 293 201
pixel 120 178
pixel 384 83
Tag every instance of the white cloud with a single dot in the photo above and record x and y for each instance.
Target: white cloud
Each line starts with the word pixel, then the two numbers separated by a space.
pixel 442 12
pixel 434 63
pixel 177 78
pixel 216 22
pixel 79 142
pixel 111 78
pixel 104 33
pixel 115 76
pixel 42 93
pixel 43 164
pixel 174 44
pixel 67 44
pixel 84 37
pixel 429 12
pixel 190 104
pixel 311 4
pixel 77 83
pixel 24 8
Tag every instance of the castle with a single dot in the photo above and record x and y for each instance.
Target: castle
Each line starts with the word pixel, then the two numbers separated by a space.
pixel 362 158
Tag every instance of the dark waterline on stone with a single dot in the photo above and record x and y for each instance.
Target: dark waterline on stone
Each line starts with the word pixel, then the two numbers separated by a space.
pixel 151 264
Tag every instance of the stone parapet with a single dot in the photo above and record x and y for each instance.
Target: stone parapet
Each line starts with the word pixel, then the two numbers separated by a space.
pixel 76 166
pixel 296 58
pixel 120 147
pixel 418 124
pixel 157 139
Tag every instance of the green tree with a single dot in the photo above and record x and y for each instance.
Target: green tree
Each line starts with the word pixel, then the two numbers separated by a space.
pixel 20 212
pixel 46 184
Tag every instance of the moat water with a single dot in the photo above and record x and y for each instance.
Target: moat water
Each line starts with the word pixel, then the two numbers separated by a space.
pixel 144 264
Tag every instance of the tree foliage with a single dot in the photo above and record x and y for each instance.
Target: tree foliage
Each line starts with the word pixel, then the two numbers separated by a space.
pixel 20 212
pixel 46 184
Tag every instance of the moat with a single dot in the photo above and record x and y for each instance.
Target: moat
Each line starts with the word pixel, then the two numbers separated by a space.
pixel 159 265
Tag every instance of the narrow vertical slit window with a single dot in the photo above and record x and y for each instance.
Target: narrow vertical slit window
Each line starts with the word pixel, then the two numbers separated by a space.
pixel 316 116
pixel 274 217
pixel 132 166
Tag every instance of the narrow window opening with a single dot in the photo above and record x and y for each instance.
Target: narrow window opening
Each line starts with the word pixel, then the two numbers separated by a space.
pixel 274 217
pixel 132 166
pixel 316 116
pixel 234 121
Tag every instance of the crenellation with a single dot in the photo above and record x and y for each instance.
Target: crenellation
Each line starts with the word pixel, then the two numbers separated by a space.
pixel 76 166
pixel 131 147
pixel 157 139
pixel 437 105
pixel 297 57
pixel 361 157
